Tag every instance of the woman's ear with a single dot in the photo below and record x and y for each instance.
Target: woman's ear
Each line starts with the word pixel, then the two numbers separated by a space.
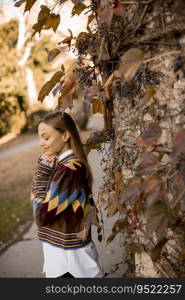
pixel 67 136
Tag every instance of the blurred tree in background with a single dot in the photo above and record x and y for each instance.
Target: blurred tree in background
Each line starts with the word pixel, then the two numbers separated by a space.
pixel 13 95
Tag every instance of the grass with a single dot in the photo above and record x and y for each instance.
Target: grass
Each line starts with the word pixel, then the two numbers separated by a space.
pixel 15 186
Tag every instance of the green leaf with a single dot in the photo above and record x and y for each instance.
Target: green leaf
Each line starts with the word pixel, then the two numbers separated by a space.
pixel 49 85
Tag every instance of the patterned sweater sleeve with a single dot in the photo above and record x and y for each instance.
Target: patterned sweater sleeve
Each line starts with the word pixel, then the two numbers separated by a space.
pixel 67 187
pixel 40 182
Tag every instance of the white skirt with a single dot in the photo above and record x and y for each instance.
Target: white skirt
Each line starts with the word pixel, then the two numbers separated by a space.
pixel 82 262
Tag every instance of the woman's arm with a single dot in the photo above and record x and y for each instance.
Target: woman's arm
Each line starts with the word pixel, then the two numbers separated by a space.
pixel 41 177
pixel 67 187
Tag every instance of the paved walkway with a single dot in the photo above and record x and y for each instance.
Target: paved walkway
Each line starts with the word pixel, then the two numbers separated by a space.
pixel 24 259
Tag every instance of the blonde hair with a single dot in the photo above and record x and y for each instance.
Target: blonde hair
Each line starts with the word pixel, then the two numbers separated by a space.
pixel 62 121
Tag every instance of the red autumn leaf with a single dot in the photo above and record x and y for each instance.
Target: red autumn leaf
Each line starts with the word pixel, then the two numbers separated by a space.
pixel 65 102
pixel 178 145
pixel 93 92
pixel 67 94
pixel 130 62
pixel 132 192
pixel 67 86
pixel 106 16
pixel 151 135
pixel 157 219
pixel 119 9
pixel 179 181
pixel 148 160
pixel 133 217
pixel 118 176
pixel 153 190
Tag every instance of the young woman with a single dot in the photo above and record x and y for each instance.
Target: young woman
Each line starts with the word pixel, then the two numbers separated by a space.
pixel 64 209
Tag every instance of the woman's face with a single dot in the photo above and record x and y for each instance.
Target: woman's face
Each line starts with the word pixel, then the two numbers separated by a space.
pixel 51 140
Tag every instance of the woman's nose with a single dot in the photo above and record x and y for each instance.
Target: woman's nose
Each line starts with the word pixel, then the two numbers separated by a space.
pixel 41 143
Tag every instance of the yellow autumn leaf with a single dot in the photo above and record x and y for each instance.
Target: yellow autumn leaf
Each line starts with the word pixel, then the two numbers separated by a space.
pixel 78 8
pixel 52 54
pixel 49 85
pixel 97 106
pixel 41 20
pixel 112 209
pixel 150 92
pixel 129 63
pixel 52 21
pixel 29 4
pixel 90 19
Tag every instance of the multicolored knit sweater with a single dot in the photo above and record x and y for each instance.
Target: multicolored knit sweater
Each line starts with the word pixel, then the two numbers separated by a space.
pixel 62 203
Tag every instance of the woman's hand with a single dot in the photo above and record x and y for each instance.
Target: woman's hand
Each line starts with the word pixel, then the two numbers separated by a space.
pixel 48 159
